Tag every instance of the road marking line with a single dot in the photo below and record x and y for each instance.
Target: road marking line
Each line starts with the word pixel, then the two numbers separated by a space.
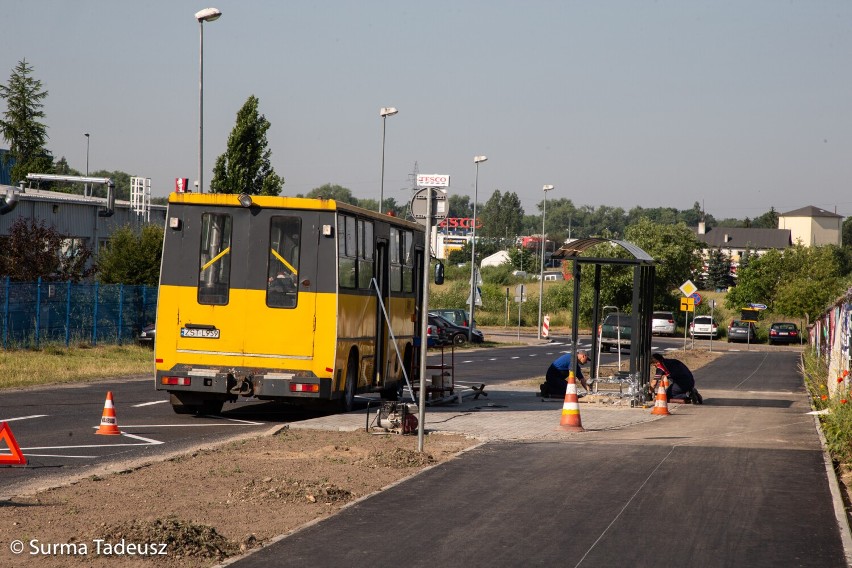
pixel 23 418
pixel 150 403
pixel 515 357
pixel 58 456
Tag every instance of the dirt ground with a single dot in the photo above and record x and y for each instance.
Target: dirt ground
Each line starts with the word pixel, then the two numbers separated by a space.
pixel 203 507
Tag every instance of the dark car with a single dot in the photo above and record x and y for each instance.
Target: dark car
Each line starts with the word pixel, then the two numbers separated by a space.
pixel 147 336
pixel 615 331
pixel 784 332
pixel 458 317
pixel 742 331
pixel 452 333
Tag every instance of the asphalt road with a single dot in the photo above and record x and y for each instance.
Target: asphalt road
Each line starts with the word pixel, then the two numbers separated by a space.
pixel 55 425
pixel 738 481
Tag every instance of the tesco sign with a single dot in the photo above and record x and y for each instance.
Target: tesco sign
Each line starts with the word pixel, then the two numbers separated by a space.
pixel 460 223
pixel 433 180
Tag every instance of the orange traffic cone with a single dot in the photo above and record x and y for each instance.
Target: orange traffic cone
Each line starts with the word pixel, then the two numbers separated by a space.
pixel 661 401
pixel 109 424
pixel 571 408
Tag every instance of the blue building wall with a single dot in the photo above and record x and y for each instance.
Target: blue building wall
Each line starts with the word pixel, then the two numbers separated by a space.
pixel 5 168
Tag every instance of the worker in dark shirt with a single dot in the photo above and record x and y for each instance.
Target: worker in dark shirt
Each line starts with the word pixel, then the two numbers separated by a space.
pixel 681 382
pixel 555 381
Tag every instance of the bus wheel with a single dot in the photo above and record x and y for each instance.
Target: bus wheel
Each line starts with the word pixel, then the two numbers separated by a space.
pixel 348 401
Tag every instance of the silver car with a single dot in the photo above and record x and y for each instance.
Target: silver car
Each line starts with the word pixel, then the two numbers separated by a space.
pixel 663 323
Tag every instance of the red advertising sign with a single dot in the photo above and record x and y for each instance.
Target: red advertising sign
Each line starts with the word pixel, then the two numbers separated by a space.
pixel 460 223
pixel 181 185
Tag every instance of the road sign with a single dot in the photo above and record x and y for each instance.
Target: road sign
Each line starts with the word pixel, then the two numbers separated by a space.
pixel 687 304
pixel 520 293
pixel 757 306
pixel 696 297
pixel 688 288
pixel 440 205
pixel 749 314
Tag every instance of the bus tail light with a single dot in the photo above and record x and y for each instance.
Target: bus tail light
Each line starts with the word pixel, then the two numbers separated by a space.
pixel 180 381
pixel 304 387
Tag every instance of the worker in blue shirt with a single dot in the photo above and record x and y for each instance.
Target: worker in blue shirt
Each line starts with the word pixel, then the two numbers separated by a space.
pixel 555 381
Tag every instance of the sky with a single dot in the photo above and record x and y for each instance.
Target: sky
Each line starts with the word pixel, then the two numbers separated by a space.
pixel 737 105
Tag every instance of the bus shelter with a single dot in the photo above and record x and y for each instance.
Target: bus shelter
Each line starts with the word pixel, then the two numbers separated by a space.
pixel 642 304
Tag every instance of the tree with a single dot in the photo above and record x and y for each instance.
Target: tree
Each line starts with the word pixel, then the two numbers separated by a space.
pixel 502 216
pixel 718 270
pixel 847 232
pixel 460 206
pixel 768 220
pixel 132 259
pixel 21 125
pixel 246 167
pixel 336 192
pixel 34 250
pixel 798 281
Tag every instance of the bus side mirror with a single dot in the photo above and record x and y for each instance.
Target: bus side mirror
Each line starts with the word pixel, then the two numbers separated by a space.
pixel 439 272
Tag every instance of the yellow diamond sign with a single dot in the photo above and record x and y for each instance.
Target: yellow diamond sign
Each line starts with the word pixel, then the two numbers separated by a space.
pixel 688 288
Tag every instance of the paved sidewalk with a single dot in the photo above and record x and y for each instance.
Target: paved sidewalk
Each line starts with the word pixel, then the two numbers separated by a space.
pixel 507 413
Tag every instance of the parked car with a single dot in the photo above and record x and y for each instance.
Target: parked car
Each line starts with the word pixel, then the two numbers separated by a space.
pixel 615 331
pixel 663 323
pixel 740 330
pixel 432 338
pixel 704 326
pixel 452 333
pixel 458 317
pixel 784 332
pixel 147 336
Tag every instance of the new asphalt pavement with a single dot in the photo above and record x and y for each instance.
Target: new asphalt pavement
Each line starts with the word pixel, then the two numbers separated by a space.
pixel 741 480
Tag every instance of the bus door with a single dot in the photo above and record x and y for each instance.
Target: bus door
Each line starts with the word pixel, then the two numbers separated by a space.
pixel 382 338
pixel 280 326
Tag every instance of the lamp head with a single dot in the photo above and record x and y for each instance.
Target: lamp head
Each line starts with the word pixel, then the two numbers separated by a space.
pixel 387 111
pixel 478 159
pixel 547 187
pixel 208 15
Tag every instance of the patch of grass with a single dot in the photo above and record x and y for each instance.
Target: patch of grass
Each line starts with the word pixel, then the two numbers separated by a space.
pixel 837 424
pixel 52 364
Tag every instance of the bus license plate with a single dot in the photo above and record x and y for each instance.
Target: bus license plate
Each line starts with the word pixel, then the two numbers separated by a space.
pixel 205 333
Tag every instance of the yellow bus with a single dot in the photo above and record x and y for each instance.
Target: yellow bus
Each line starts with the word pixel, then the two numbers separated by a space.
pixel 284 298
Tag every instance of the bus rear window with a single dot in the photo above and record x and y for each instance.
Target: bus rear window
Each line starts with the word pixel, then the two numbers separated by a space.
pixel 214 274
pixel 283 265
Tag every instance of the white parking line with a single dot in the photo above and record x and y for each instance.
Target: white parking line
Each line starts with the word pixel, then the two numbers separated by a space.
pixel 22 418
pixel 150 403
pixel 146 442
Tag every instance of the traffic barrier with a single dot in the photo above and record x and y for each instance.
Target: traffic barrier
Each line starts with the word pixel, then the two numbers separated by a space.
pixel 545 328
pixel 17 457
pixel 109 423
pixel 661 401
pixel 570 421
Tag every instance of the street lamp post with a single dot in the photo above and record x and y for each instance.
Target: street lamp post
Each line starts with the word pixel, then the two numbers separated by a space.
pixel 205 15
pixel 384 112
pixel 546 188
pixel 476 160
pixel 86 190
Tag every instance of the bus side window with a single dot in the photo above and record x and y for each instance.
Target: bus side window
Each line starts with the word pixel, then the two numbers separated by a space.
pixel 347 250
pixel 395 248
pixel 282 271
pixel 214 275
pixel 365 253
